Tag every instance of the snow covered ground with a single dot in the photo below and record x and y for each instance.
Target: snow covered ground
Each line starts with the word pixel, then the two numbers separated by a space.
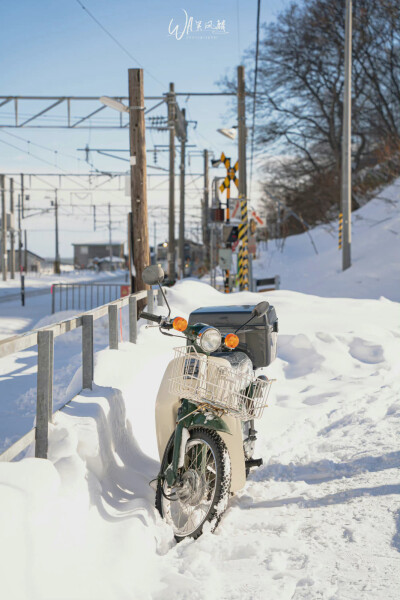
pixel 319 520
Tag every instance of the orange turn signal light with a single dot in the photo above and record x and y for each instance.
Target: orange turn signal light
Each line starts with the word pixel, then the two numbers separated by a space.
pixel 179 324
pixel 231 340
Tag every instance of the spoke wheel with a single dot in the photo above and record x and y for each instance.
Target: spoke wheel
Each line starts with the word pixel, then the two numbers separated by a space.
pixel 203 490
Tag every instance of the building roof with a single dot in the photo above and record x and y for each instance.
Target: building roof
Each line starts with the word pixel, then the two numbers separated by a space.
pixel 98 244
pixel 30 254
pixel 35 255
pixel 107 259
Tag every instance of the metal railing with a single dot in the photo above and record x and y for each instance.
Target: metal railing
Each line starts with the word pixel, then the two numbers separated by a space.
pixel 44 339
pixel 85 296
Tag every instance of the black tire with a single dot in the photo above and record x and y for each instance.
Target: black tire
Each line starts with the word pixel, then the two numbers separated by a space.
pixel 213 489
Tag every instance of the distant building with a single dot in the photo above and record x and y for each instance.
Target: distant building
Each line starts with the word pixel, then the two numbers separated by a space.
pixel 34 262
pixel 88 256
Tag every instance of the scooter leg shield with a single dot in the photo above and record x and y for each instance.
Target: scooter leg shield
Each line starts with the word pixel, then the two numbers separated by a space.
pixel 167 405
pixel 234 443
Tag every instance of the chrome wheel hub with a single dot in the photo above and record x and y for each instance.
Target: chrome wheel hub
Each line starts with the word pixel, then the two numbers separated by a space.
pixel 192 489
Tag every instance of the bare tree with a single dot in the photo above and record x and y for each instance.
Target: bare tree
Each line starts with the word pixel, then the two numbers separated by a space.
pixel 299 100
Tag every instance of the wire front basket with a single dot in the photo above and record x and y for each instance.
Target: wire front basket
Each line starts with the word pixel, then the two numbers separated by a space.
pixel 212 381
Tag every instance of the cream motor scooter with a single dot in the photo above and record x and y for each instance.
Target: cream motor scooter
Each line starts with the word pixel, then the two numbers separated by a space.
pixel 205 409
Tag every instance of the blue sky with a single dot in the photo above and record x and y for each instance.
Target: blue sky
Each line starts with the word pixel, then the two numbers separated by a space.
pixel 52 47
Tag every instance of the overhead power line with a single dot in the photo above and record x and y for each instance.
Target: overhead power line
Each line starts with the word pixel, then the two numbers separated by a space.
pixel 255 95
pixel 110 35
pixel 37 158
pixel 30 143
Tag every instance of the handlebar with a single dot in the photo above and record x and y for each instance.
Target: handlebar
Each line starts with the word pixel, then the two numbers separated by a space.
pixel 150 317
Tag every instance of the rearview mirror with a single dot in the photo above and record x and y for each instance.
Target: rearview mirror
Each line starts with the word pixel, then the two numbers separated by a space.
pixel 260 309
pixel 153 274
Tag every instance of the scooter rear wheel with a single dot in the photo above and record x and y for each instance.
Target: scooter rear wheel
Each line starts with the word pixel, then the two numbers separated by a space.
pixel 203 492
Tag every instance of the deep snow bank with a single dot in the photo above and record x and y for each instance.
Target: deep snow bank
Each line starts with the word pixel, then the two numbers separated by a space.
pixel 319 520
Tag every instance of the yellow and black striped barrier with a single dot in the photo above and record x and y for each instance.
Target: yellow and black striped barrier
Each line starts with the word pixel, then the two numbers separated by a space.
pixel 243 258
pixel 340 230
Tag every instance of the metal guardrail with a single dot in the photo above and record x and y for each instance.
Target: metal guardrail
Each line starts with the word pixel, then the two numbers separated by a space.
pixel 65 296
pixel 44 339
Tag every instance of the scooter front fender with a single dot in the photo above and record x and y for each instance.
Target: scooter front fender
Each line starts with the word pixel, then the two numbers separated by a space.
pixel 216 423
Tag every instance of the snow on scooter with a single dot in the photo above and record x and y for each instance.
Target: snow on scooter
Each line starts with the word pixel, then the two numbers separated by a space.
pixel 206 406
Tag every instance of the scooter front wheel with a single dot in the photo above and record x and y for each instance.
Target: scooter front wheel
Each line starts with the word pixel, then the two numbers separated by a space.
pixel 204 485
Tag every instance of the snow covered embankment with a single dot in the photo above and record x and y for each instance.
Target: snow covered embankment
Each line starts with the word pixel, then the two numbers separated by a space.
pixel 375 255
pixel 319 520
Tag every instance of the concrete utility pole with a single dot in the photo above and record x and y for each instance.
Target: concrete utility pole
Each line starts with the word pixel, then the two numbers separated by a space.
pixel 346 142
pixel 22 196
pixel 25 251
pixel 155 241
pixel 182 204
pixel 110 235
pixel 3 229
pixel 137 137
pixel 206 211
pixel 171 212
pixel 20 217
pixel 242 134
pixel 12 233
pixel 213 236
pixel 243 259
pixel 57 268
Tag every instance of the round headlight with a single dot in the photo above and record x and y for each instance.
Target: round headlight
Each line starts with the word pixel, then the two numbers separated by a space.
pixel 209 339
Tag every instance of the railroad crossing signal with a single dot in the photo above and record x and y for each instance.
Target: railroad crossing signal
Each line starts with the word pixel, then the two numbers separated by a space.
pixel 243 229
pixel 230 175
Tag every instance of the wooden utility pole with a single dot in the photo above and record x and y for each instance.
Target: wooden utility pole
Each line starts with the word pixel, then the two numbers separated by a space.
pixel 130 253
pixel 171 215
pixel 206 211
pixel 3 229
pixel 346 142
pixel 137 141
pixel 12 231
pixel 182 204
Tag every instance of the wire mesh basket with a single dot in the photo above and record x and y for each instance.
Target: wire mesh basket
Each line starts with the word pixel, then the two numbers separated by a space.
pixel 207 380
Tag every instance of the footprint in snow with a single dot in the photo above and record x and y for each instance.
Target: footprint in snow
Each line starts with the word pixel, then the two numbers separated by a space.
pixel 325 337
pixel 320 399
pixel 348 535
pixel 300 354
pixel 366 352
